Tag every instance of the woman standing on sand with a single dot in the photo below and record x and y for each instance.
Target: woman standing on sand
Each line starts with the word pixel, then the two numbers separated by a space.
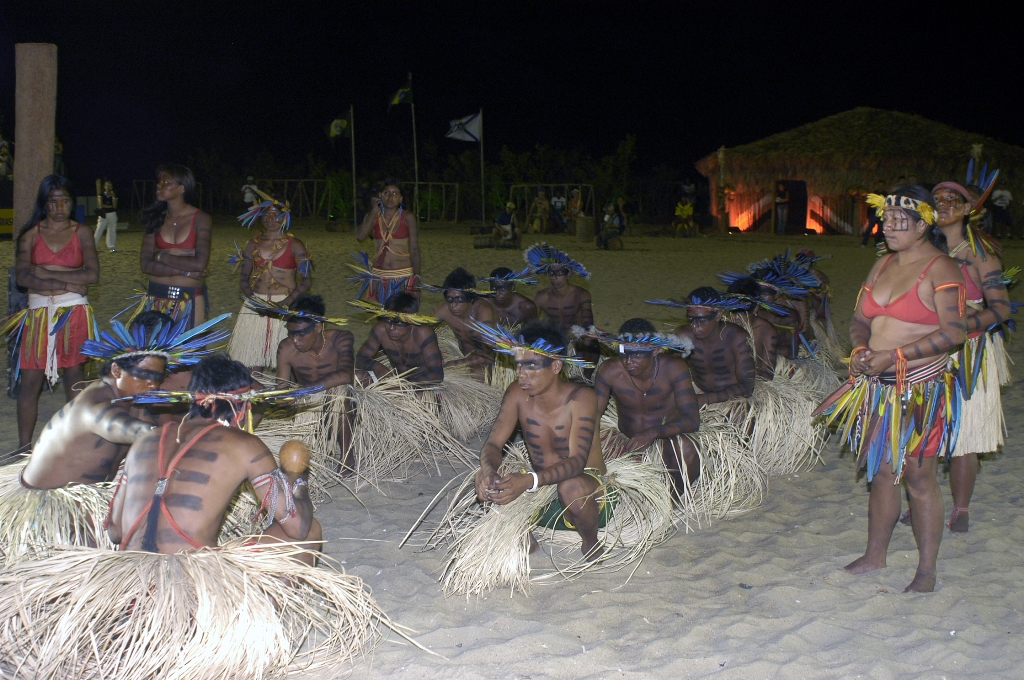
pixel 56 261
pixel 396 262
pixel 176 248
pixel 275 266
pixel 893 410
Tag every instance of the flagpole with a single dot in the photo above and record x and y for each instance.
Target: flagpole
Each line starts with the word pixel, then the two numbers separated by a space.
pixel 415 155
pixel 483 189
pixel 352 140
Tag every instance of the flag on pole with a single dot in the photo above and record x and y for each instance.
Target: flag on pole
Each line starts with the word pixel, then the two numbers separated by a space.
pixel 340 127
pixel 404 94
pixel 468 129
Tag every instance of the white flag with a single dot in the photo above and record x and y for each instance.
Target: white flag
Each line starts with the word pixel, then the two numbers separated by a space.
pixel 468 129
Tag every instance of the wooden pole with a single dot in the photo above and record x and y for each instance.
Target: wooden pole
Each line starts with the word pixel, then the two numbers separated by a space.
pixel 483 187
pixel 352 141
pixel 415 157
pixel 35 115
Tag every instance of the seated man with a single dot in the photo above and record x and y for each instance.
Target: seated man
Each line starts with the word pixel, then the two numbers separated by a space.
pixel 654 394
pixel 564 303
pixel 558 421
pixel 512 308
pixel 406 338
pixel 462 303
pixel 177 483
pixel 506 229
pixel 611 227
pixel 765 336
pixel 312 355
pixel 722 361
pixel 85 441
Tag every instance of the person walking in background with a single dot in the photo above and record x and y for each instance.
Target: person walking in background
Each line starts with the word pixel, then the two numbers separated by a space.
pixel 781 209
pixel 106 211
pixel 249 192
pixel 1003 220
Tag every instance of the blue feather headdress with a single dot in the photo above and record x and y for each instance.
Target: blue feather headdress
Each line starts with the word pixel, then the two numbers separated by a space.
pixel 521 276
pixel 269 308
pixel 639 342
pixel 258 210
pixel 502 340
pixel 724 302
pixel 177 344
pixel 541 257
pixel 377 311
pixel 278 396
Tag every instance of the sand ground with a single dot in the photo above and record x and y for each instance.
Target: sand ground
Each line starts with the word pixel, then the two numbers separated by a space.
pixel 759 596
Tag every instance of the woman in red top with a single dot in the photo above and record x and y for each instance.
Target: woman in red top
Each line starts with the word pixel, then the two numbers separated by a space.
pixel 396 262
pixel 275 266
pixel 909 316
pixel 56 261
pixel 176 248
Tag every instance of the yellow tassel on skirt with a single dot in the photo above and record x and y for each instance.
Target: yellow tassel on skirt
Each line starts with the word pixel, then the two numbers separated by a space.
pixel 255 338
pixel 235 612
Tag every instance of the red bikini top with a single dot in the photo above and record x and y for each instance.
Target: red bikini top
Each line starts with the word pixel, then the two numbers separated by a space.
pixel 188 244
pixel 68 256
pixel 402 231
pixel 284 260
pixel 974 293
pixel 906 307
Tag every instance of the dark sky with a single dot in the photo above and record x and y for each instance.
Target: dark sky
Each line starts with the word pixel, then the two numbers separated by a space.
pixel 145 82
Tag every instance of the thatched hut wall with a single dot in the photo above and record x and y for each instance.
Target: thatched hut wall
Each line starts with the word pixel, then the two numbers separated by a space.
pixel 844 156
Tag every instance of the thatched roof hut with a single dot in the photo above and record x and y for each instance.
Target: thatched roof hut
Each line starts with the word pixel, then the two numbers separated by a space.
pixel 844 156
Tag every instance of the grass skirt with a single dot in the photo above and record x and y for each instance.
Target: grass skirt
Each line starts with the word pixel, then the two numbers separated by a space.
pixel 488 545
pixel 255 337
pixel 466 407
pixel 33 521
pixel 982 424
pixel 235 612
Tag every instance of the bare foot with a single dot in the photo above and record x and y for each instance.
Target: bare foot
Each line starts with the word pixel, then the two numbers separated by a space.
pixel 592 553
pixel 864 564
pixel 922 583
pixel 906 519
pixel 958 520
pixel 534 545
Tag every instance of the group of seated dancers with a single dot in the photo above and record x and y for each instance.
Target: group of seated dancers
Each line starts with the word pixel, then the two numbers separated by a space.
pixel 612 439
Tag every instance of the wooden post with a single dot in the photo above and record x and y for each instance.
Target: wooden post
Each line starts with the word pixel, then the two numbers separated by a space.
pixel 35 114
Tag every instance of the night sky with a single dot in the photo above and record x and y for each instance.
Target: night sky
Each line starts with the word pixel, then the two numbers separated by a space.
pixel 142 83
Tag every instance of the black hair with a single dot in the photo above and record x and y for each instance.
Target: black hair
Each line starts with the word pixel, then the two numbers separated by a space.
pixel 149 320
pixel 391 182
pixel 218 373
pixel 153 216
pixel 403 302
pixel 748 287
pixel 637 326
pixel 311 304
pixel 704 293
pixel 500 272
pixel 49 183
pixel 462 280
pixel 544 329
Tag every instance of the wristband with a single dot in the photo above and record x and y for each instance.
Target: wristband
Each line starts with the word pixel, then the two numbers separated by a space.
pixel 536 481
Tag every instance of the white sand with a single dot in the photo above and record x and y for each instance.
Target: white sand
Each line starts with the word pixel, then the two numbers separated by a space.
pixel 762 595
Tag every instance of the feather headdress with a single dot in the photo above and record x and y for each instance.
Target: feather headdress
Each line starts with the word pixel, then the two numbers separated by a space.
pixel 502 340
pixel 377 311
pixel 723 302
pixel 880 203
pixel 637 342
pixel 274 309
pixel 541 257
pixel 258 210
pixel 175 342
pixel 521 276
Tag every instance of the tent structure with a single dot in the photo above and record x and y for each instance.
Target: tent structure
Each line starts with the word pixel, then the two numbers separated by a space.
pixel 831 164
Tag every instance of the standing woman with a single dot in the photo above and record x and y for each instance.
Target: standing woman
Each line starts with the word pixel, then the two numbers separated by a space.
pixel 107 211
pixel 176 248
pixel 56 261
pixel 983 358
pixel 396 261
pixel 275 266
pixel 893 409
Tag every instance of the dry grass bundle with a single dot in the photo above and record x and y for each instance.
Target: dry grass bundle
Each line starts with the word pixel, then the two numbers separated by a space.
pixel 466 406
pixel 1002 360
pixel 783 436
pixel 829 342
pixel 502 373
pixel 982 423
pixel 33 522
pixel 395 434
pixel 447 343
pixel 235 612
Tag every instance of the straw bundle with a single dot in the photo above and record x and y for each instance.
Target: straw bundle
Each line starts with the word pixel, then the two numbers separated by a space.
pixel 982 423
pixel 829 341
pixel 1002 360
pixel 502 373
pixel 234 612
pixel 465 406
pixel 448 343
pixel 782 434
pixel 33 522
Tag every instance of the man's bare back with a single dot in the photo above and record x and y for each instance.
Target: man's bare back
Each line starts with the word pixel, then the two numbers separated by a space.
pixel 766 340
pixel 567 306
pixel 722 362
pixel 411 350
pixel 477 355
pixel 327 362
pixel 516 311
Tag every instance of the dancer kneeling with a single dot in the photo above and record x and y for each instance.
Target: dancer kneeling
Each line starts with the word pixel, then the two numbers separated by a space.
pixel 171 603
pixel 896 407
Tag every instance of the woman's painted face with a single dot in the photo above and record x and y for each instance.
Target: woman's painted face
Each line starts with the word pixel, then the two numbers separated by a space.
pixel 900 228
pixel 950 206
pixel 167 187
pixel 58 205
pixel 272 218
